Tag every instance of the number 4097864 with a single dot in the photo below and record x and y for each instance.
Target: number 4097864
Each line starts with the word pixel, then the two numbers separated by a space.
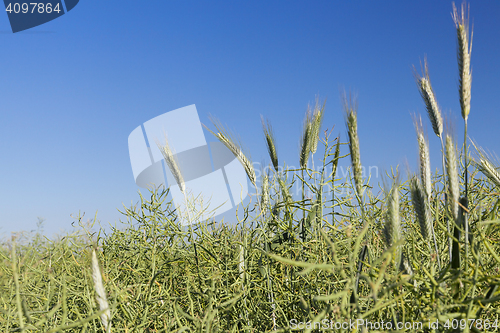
pixel 32 7
pixel 480 324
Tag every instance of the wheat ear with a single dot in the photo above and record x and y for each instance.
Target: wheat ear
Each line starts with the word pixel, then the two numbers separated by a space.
pixel 486 166
pixel 350 110
pixel 424 159
pixel 392 229
pixel 317 121
pixel 172 164
pixel 420 204
pixel 285 190
pixel 226 138
pixel 305 139
pixel 270 143
pixel 463 55
pixel 427 93
pixel 101 298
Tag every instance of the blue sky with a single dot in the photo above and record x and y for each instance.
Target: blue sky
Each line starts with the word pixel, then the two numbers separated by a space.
pixel 73 89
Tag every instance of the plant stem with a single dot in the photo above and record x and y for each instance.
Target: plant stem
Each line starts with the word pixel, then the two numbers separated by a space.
pixel 303 211
pixel 445 201
pixel 466 215
pixel 16 282
pixel 192 239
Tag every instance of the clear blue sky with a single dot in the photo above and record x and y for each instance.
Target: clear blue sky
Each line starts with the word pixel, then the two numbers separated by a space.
pixel 73 89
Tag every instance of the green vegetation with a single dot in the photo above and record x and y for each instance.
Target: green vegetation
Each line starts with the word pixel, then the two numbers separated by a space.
pixel 427 251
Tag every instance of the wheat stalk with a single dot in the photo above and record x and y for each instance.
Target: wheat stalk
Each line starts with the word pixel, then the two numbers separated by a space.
pixel 392 228
pixel 285 190
pixel 352 131
pixel 305 150
pixel 226 138
pixel 317 121
pixel 265 193
pixel 463 55
pixel 173 165
pixel 237 152
pixel 15 274
pixel 305 139
pixel 270 142
pixel 434 113
pixel 421 191
pixel 424 159
pixel 427 93
pixel 170 159
pixel 452 174
pixel 335 163
pixel 464 89
pixel 453 196
pixel 422 208
pixel 350 114
pixel 241 263
pixel 486 166
pixel 101 298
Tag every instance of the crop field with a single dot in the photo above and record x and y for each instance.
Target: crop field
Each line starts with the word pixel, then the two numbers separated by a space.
pixel 420 255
